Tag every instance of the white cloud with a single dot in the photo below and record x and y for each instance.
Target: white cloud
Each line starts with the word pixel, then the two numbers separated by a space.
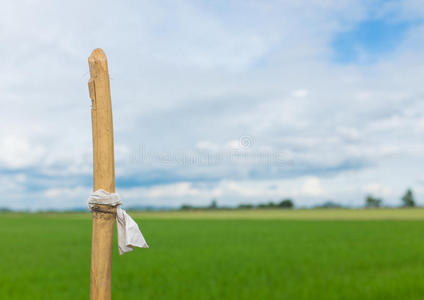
pixel 18 152
pixel 300 93
pixel 378 190
pixel 187 77
pixel 312 187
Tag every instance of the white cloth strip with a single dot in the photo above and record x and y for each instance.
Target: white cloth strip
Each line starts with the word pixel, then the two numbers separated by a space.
pixel 129 235
pixel 103 197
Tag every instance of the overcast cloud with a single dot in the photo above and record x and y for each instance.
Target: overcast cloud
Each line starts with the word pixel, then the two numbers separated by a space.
pixel 242 101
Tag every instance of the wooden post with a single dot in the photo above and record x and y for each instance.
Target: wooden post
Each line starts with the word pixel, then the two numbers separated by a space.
pixel 104 177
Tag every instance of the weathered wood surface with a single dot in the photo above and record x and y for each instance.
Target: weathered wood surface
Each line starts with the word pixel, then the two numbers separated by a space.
pixel 104 176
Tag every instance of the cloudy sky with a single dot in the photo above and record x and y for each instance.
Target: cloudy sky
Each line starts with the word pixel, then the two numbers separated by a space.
pixel 242 101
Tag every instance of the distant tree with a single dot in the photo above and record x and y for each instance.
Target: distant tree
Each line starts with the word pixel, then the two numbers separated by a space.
pixel 245 206
pixel 214 204
pixel 408 199
pixel 286 203
pixel 371 201
pixel 271 204
pixel 186 207
pixel 329 204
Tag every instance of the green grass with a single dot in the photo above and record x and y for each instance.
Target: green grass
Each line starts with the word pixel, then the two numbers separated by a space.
pixel 297 214
pixel 223 256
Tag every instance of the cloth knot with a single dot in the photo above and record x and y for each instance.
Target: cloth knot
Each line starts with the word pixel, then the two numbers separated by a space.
pixel 129 235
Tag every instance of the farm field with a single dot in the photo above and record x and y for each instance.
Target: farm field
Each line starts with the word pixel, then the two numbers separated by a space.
pixel 258 254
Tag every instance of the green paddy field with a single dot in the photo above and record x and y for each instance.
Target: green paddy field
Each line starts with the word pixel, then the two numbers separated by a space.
pixel 258 254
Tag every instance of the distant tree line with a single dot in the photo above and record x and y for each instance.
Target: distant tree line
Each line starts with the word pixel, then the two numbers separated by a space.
pixel 407 200
pixel 329 204
pixel 283 204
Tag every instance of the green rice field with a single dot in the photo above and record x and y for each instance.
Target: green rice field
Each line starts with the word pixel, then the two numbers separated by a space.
pixel 258 254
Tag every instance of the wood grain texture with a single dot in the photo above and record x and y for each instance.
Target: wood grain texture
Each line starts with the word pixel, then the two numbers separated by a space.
pixel 104 176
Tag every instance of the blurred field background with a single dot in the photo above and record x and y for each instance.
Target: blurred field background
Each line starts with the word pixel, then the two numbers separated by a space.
pixel 256 254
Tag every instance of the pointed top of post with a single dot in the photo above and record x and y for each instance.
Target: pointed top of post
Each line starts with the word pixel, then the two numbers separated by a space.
pixel 98 63
pixel 97 55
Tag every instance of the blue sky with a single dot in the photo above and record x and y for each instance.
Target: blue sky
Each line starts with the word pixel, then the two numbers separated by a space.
pixel 369 40
pixel 242 101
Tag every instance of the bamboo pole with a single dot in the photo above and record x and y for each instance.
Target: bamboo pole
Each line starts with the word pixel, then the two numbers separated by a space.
pixel 104 177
